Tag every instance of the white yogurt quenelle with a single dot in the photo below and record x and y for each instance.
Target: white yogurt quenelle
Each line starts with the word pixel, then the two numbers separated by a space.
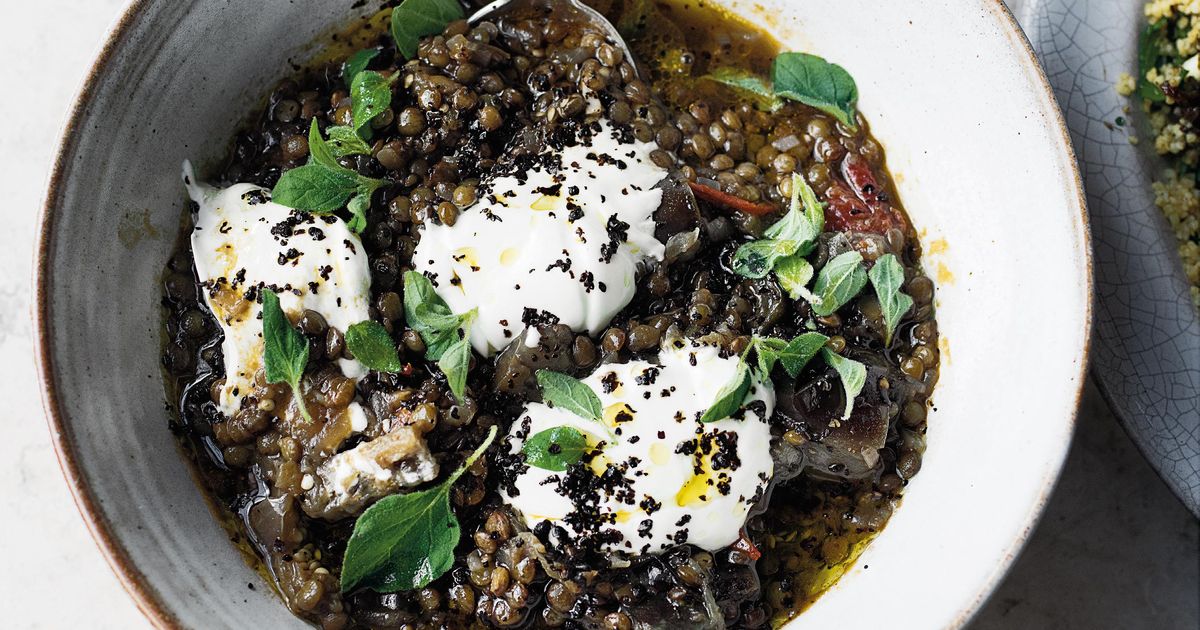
pixel 565 234
pixel 669 479
pixel 243 242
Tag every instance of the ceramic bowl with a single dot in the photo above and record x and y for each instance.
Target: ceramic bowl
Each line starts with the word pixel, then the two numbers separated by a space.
pixel 1147 351
pixel 982 161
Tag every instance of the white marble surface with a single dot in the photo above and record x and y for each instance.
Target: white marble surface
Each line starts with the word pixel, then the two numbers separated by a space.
pixel 1114 550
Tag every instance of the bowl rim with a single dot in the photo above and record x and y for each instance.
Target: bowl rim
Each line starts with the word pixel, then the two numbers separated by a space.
pixel 148 600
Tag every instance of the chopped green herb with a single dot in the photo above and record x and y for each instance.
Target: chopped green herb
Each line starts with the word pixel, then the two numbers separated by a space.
pixel 428 314
pixel 839 281
pixel 750 86
pixel 455 363
pixel 370 95
pixel 446 335
pixel 405 541
pixel 315 187
pixel 357 63
pixel 372 346
pixel 786 241
pixel 555 449
pixel 573 395
pixel 756 259
pixel 285 350
pixel 415 19
pixel 816 83
pixel 729 399
pixel 852 373
pixel 345 141
pixel 800 351
pixel 323 186
pixel 793 355
pixel 794 273
pixel 887 276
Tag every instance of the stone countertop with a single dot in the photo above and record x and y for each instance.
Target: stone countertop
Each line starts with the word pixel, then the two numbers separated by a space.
pixel 1114 548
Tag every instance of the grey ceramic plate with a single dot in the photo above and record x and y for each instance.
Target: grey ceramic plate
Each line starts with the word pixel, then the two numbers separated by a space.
pixel 1146 352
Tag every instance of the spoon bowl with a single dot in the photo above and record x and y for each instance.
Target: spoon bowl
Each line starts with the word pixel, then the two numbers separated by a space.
pixel 570 9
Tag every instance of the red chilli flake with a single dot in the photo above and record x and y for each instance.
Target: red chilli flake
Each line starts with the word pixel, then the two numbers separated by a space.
pixel 744 545
pixel 726 200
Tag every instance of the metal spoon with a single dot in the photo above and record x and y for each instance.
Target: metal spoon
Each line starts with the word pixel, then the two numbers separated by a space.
pixel 570 8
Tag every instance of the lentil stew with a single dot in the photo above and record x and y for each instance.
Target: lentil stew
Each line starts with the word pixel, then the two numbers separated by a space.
pixel 831 349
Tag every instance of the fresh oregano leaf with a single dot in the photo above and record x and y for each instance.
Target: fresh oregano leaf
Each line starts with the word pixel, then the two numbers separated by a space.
pixel 555 449
pixel 786 242
pixel 816 83
pixel 427 313
pixel 315 188
pixel 372 346
pixel 357 63
pixel 756 259
pixel 345 141
pixel 361 203
pixel 405 541
pixel 569 393
pixel 887 276
pixel 319 150
pixel 814 210
pixel 419 290
pixel 794 273
pixel 323 186
pixel 800 351
pixel 839 281
pixel 748 85
pixel 766 353
pixel 729 398
pixel 852 373
pixel 285 350
pixel 415 19
pixel 358 213
pixel 370 95
pixel 446 335
pixel 1150 46
pixel 801 223
pixel 455 363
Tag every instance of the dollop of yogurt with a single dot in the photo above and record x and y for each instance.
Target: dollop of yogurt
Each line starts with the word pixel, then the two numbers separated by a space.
pixel 243 243
pixel 559 237
pixel 669 479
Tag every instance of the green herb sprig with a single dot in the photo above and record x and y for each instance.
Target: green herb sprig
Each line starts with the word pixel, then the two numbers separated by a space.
pixel 793 236
pixel 446 335
pixel 415 19
pixel 750 86
pixel 555 449
pixel 285 350
pixel 801 77
pixel 887 276
pixel 370 95
pixel 405 541
pixel 372 346
pixel 357 63
pixel 839 281
pixel 573 395
pixel 730 397
pixel 853 376
pixel 791 355
pixel 323 185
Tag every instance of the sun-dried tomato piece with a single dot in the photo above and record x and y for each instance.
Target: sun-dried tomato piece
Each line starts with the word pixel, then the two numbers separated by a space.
pixel 732 202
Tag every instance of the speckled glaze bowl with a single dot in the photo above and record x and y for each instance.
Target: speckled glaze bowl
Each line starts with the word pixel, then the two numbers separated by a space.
pixel 1147 358
pixel 974 138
